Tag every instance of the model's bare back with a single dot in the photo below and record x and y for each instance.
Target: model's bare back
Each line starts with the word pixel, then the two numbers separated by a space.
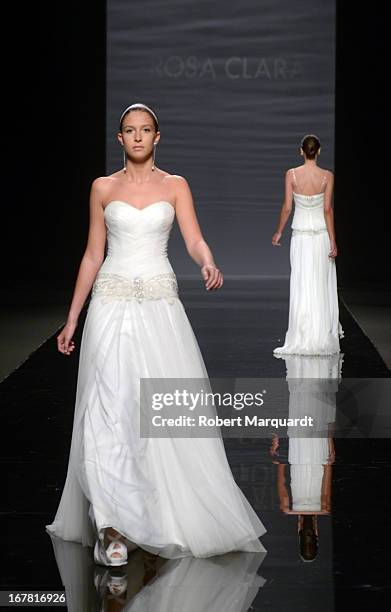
pixel 309 179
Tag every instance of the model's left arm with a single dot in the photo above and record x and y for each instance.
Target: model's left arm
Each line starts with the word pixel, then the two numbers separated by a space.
pixel 286 209
pixel 196 246
pixel 329 213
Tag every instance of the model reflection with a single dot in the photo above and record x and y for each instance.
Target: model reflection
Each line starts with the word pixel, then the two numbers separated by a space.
pixel 305 458
pixel 154 584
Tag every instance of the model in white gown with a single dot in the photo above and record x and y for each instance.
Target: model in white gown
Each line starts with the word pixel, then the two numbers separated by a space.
pixel 173 497
pixel 314 327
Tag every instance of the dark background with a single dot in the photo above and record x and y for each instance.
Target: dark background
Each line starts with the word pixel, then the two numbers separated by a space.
pixel 58 131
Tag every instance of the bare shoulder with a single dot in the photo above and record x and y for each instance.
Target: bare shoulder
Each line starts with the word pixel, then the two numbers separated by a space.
pixel 100 187
pixel 177 179
pixel 291 172
pixel 172 180
pixel 179 184
pixel 290 175
pixel 181 191
pixel 326 171
pixel 102 184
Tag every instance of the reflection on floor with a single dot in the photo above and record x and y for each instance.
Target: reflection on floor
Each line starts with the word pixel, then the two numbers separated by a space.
pixel 149 583
pixel 316 498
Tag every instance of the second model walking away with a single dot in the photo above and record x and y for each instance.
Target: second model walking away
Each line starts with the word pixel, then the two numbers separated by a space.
pixel 314 327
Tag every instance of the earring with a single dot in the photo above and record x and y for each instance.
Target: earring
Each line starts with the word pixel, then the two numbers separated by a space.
pixel 153 156
pixel 124 155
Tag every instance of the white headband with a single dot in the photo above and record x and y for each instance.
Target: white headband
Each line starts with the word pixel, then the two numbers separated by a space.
pixel 141 106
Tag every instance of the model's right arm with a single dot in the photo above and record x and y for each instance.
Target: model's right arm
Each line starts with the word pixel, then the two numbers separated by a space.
pixel 91 262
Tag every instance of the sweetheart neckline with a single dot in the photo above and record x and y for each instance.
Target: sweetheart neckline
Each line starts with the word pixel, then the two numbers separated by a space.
pixel 135 207
pixel 305 195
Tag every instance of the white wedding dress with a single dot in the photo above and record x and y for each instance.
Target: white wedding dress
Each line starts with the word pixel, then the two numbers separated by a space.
pixel 314 327
pixel 174 497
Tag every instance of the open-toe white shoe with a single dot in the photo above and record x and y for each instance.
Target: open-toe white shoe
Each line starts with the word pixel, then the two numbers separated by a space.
pixel 115 554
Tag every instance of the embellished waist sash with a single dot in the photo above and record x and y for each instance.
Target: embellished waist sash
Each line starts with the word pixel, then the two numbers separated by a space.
pixel 310 232
pixel 112 286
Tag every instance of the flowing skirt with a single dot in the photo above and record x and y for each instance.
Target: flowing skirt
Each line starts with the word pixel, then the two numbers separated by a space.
pixel 173 497
pixel 314 327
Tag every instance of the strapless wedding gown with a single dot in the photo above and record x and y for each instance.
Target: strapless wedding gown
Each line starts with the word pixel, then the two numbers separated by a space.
pixel 173 497
pixel 314 327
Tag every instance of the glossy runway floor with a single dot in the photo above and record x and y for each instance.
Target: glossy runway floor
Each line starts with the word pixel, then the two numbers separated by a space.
pixel 237 330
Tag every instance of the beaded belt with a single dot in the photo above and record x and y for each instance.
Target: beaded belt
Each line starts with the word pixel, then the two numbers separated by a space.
pixel 309 231
pixel 115 287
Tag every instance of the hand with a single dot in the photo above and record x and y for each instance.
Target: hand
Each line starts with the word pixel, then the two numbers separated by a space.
pixel 212 276
pixel 276 239
pixel 334 251
pixel 65 343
